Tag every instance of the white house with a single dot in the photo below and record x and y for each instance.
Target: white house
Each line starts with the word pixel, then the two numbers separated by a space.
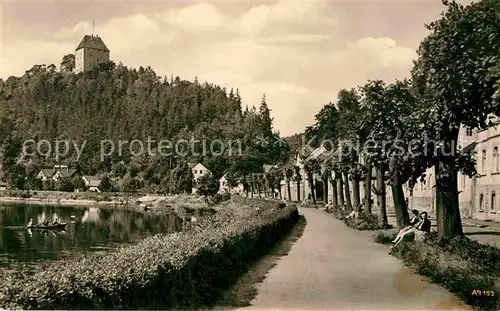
pixel 92 183
pixel 224 187
pixel 91 215
pixel 198 171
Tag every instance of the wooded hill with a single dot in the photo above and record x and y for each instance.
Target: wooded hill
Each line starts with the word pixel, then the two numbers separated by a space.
pixel 113 102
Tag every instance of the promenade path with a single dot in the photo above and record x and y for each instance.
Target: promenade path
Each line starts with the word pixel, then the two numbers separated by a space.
pixel 333 267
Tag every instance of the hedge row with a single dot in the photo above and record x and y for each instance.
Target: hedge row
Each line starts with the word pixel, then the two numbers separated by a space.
pixel 187 269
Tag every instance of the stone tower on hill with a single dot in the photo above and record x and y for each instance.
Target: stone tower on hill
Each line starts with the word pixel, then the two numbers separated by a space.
pixel 90 52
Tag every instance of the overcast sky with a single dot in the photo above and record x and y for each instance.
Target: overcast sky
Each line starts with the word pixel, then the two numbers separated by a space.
pixel 298 53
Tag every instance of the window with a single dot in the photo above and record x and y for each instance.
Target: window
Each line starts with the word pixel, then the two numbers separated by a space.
pixel 468 131
pixel 495 158
pixel 481 199
pixel 195 171
pixel 493 201
pixel 483 162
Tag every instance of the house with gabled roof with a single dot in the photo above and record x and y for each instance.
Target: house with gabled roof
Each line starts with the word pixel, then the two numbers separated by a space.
pixel 301 157
pixel 92 183
pixel 198 170
pixel 268 168
pixel 90 52
pixel 46 174
pixel 57 173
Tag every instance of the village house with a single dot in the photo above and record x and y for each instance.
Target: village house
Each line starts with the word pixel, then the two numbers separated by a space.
pixel 224 187
pixel 92 183
pixel 57 173
pixel 3 186
pixel 198 171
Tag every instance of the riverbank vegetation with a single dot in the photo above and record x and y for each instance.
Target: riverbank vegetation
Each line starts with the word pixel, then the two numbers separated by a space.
pixel 187 269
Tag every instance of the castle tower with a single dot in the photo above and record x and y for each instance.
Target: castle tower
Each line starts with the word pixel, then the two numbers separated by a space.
pixel 90 52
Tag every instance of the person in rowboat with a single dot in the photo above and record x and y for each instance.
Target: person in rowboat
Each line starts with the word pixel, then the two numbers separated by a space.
pixel 45 223
pixel 30 223
pixel 56 221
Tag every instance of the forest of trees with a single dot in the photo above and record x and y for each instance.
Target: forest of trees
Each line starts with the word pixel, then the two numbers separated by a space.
pixel 113 102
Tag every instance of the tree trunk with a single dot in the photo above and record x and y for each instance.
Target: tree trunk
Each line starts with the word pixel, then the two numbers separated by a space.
pixel 334 193
pixel 340 191
pixel 356 195
pixel 447 204
pixel 289 190
pixel 382 216
pixel 310 179
pixel 298 191
pixel 347 192
pixel 368 191
pixel 259 187
pixel 252 187
pixel 325 191
pixel 398 196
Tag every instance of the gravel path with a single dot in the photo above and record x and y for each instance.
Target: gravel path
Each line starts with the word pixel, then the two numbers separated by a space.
pixel 333 267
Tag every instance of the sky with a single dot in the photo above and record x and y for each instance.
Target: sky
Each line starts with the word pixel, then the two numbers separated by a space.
pixel 298 53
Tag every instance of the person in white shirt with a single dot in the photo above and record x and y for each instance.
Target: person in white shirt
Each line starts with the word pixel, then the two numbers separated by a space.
pixel 414 220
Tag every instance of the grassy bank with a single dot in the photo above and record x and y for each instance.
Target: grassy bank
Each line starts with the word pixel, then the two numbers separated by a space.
pixel 364 221
pixel 463 266
pixel 183 270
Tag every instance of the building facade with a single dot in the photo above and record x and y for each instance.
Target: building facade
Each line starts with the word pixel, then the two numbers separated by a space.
pixel 90 52
pixel 478 196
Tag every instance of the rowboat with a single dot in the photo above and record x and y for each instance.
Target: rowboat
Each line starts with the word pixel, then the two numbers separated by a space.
pixel 56 226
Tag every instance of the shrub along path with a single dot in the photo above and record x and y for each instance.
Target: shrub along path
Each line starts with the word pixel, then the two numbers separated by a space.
pixel 335 267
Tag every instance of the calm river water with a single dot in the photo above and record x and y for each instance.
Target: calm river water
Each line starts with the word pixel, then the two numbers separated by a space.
pixel 88 229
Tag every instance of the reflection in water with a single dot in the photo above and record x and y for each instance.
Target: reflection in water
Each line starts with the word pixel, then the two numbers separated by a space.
pixel 92 214
pixel 90 228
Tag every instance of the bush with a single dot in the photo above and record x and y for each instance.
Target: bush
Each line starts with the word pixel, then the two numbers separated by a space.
pixel 385 237
pixel 459 264
pixel 186 269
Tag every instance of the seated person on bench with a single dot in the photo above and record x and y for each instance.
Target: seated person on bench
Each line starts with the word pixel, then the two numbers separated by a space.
pixel 353 214
pixel 414 220
pixel 424 226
